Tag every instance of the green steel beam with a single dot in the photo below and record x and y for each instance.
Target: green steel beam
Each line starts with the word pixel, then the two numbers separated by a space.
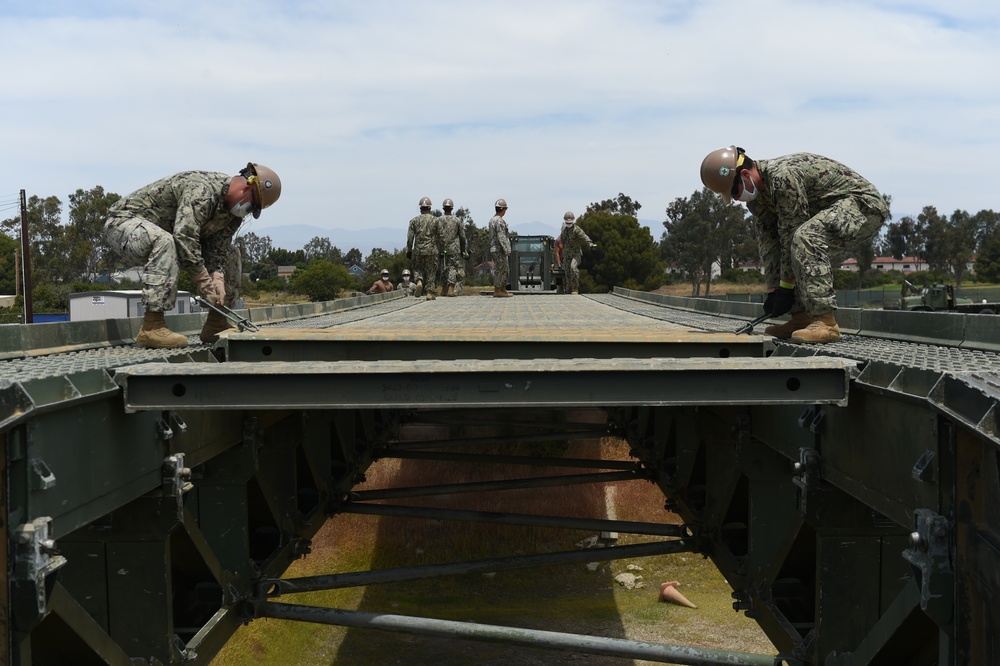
pixel 509 383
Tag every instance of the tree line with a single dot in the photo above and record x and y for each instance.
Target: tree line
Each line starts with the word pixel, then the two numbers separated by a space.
pixel 699 231
pixel 73 256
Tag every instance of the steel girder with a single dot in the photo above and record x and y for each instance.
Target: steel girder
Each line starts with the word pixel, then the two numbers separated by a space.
pixel 860 535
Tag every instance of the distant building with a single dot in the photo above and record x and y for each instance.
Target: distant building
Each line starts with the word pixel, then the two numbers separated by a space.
pixel 90 305
pixel 357 271
pixel 285 272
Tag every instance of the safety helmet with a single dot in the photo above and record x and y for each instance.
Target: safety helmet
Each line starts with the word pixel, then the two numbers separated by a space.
pixel 406 272
pixel 385 273
pixel 266 184
pixel 719 168
pixel 448 203
pixel 568 215
pixel 425 202
pixel 500 204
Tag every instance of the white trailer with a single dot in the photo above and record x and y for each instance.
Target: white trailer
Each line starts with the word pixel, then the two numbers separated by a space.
pixel 90 305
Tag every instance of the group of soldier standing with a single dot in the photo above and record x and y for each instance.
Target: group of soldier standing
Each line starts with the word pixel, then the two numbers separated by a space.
pixel 437 246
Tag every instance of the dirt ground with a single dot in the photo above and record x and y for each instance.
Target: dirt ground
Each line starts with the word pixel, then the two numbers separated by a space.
pixel 572 598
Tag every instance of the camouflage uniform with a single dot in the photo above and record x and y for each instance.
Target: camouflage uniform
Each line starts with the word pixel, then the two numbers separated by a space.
pixel 180 221
pixel 408 288
pixel 500 250
pixel 573 241
pixel 812 207
pixel 452 247
pixel 422 239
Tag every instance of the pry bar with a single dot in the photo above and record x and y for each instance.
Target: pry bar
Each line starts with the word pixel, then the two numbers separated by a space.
pixel 242 323
pixel 748 327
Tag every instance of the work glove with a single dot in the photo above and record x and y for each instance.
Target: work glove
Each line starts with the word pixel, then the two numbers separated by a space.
pixel 781 301
pixel 206 287
pixel 219 282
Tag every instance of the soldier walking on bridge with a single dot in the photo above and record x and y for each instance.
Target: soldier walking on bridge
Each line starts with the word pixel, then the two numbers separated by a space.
pixel 453 247
pixel 573 240
pixel 188 220
pixel 422 246
pixel 500 250
pixel 806 208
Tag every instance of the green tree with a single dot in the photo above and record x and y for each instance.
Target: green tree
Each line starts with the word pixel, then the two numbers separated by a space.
pixel 281 257
pixel 86 253
pixel 378 259
pixel 322 248
pixel 353 257
pixel 8 273
pixel 254 248
pixel 321 280
pixel 988 258
pixel 620 205
pixel 703 230
pixel 45 236
pixel 905 238
pixel 949 243
pixel 626 254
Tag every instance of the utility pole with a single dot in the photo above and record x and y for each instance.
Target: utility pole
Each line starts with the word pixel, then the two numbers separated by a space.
pixel 29 317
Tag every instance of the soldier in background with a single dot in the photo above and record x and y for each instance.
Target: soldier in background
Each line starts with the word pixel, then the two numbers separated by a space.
pixel 423 248
pixel 453 248
pixel 500 250
pixel 381 286
pixel 570 254
pixel 805 208
pixel 188 221
pixel 407 286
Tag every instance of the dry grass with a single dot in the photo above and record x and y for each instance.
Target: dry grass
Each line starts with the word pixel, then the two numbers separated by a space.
pixel 718 289
pixel 560 597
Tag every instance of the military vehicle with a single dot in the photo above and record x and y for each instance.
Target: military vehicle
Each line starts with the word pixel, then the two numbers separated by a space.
pixel 533 265
pixel 940 297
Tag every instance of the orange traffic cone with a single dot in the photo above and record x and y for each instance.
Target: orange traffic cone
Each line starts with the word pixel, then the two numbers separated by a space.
pixel 669 592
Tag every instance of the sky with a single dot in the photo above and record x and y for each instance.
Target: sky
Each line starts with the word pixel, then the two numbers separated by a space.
pixel 362 108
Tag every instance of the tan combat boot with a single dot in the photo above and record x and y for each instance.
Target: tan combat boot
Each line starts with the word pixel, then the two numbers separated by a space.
pixel 430 295
pixel 784 331
pixel 215 323
pixel 822 329
pixel 154 333
pixel 419 289
pixel 449 290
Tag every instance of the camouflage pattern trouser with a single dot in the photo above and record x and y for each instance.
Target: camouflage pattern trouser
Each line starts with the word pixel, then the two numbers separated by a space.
pixel 571 264
pixel 139 242
pixel 425 267
pixel 841 227
pixel 501 269
pixel 451 267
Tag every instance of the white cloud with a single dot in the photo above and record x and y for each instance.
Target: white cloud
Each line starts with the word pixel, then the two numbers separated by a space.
pixel 363 108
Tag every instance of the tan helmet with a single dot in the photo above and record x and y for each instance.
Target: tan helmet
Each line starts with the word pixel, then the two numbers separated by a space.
pixel 266 184
pixel 718 170
pixel 568 215
pixel 425 202
pixel 500 203
pixel 448 203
